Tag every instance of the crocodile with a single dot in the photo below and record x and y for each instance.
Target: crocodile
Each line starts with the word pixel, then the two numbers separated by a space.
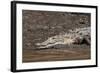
pixel 73 36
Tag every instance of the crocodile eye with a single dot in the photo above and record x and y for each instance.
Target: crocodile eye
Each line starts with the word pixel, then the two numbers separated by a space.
pixel 53 38
pixel 80 33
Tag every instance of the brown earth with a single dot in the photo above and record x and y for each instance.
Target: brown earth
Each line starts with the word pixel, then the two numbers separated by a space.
pixel 55 55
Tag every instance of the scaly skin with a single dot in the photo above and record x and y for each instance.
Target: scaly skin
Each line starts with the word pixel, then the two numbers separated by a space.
pixel 76 36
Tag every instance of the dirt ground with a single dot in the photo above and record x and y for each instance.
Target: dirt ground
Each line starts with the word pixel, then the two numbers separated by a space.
pixel 39 25
pixel 56 54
